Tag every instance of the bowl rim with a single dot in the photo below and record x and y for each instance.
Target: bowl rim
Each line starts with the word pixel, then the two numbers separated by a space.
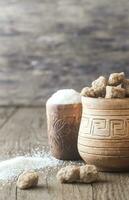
pixel 107 104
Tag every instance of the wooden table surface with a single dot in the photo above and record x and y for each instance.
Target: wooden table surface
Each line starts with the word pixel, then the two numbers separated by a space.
pixel 24 128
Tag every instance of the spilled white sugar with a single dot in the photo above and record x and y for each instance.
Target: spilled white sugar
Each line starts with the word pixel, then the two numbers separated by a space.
pixel 65 96
pixel 40 161
pixel 10 169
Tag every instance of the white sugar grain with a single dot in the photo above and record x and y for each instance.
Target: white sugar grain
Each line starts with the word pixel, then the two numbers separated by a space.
pixel 65 96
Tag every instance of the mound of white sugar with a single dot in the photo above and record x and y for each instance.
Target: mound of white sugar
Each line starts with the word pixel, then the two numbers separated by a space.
pixel 10 169
pixel 40 161
pixel 65 96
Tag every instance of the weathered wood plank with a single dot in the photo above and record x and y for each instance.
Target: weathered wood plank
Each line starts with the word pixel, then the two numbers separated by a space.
pixel 25 130
pixel 6 114
pixel 47 45
pixel 59 191
pixel 8 192
pixel 113 186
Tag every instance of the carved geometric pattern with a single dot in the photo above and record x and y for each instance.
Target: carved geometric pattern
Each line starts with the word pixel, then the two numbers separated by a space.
pixel 100 127
pixel 85 125
pixel 119 128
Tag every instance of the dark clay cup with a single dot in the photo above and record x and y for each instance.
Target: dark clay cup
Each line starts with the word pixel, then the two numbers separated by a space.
pixel 63 126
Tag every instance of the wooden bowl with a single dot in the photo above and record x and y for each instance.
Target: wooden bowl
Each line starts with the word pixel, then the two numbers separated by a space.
pixel 104 133
pixel 63 126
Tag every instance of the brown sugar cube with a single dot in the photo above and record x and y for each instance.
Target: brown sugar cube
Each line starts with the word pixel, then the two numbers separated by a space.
pixel 125 85
pixel 88 92
pixel 119 86
pixel 27 180
pixel 99 86
pixel 116 79
pixel 115 92
pixel 88 174
pixel 82 174
pixel 68 174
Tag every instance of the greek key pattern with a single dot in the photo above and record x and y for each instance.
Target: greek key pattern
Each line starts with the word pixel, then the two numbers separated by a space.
pixel 105 128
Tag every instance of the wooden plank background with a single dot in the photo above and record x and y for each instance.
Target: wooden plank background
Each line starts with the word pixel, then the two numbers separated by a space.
pixel 50 44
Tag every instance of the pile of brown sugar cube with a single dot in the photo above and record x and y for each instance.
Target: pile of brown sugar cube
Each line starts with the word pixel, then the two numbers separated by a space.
pixel 116 86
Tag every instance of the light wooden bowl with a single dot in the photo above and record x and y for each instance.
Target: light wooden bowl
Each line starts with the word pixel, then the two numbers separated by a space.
pixel 104 133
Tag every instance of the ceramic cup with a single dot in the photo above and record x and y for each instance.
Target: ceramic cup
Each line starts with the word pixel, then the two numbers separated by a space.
pixel 104 133
pixel 63 126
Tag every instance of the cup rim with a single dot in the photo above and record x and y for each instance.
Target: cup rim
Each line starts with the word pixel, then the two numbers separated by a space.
pixel 107 104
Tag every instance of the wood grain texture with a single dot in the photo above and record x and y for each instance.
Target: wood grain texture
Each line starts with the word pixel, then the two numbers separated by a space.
pixel 59 191
pixel 5 115
pixel 47 45
pixel 25 124
pixel 113 186
pixel 8 192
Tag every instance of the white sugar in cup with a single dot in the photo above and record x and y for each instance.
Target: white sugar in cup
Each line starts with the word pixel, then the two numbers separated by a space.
pixel 65 96
pixel 64 109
